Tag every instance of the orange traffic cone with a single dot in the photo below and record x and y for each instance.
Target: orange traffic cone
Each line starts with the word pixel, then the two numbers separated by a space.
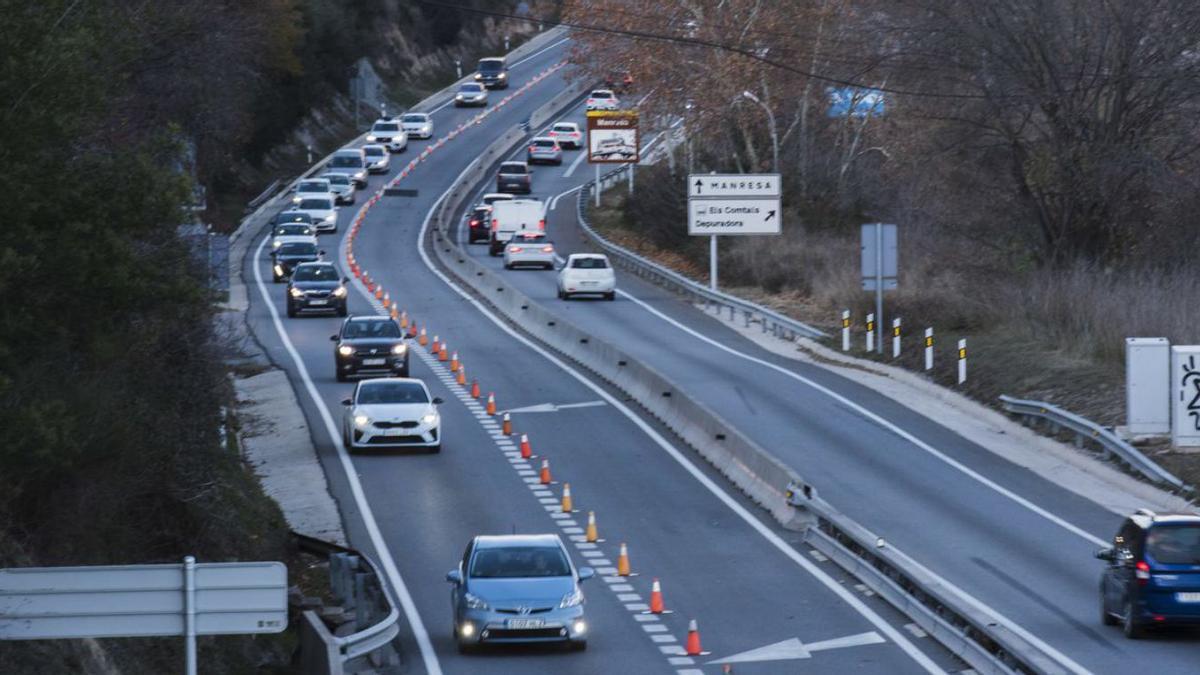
pixel 506 427
pixel 424 339
pixel 379 292
pixel 454 362
pixel 412 329
pixel 656 600
pixel 404 319
pixel 491 404
pixel 462 375
pixel 623 562
pixel 593 535
pixel 545 478
pixel 693 640
pixel 474 388
pixel 443 354
pixel 394 314
pixel 526 449
pixel 387 300
pixel 433 348
pixel 566 499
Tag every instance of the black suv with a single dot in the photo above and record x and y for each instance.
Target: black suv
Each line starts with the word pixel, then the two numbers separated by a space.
pixel 492 72
pixel 370 344
pixel 514 177
pixel 1153 572
pixel 479 224
pixel 289 255
pixel 316 286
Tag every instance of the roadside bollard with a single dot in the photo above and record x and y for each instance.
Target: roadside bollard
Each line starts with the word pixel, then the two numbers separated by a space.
pixel 962 361
pixel 870 332
pixel 846 330
pixel 895 338
pixel 928 349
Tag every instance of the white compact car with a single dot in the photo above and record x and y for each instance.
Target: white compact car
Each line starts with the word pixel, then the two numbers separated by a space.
pixel 392 412
pixel 567 134
pixel 322 208
pixel 378 159
pixel 587 274
pixel 310 186
pixel 602 99
pixel 389 134
pixel 529 248
pixel 417 125
pixel 342 186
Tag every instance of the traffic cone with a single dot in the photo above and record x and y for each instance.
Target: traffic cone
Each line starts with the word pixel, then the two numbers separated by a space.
pixel 506 427
pixel 462 375
pixel 526 449
pixel 433 348
pixel 387 300
pixel 474 388
pixel 656 600
pixel 443 354
pixel 623 562
pixel 394 314
pixel 593 535
pixel 454 363
pixel 424 339
pixel 379 292
pixel 491 404
pixel 566 499
pixel 370 284
pixel 404 319
pixel 545 477
pixel 693 640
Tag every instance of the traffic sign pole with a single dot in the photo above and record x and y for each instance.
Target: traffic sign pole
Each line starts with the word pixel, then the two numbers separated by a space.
pixel 879 280
pixel 597 186
pixel 189 614
pixel 712 262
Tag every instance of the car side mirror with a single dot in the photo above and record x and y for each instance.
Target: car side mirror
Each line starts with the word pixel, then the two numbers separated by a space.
pixel 347 401
pixel 454 577
pixel 586 573
pixel 437 400
pixel 333 338
pixel 345 280
pixel 1106 554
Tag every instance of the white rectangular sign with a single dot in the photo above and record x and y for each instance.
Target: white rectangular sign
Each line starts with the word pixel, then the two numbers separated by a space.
pixel 1148 385
pixel 705 185
pixel 141 600
pixel 733 216
pixel 1185 390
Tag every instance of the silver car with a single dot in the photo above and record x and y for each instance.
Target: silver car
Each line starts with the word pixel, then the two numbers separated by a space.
pixel 309 187
pixel 518 588
pixel 529 248
pixel 417 125
pixel 544 149
pixel 378 159
pixel 351 162
pixel 471 94
pixel 343 186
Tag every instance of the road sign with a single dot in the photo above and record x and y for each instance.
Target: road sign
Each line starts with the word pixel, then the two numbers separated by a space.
pixel 612 137
pixel 714 185
pixel 879 264
pixel 733 216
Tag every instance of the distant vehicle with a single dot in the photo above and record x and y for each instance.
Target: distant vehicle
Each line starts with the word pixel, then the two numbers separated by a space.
pixel 511 217
pixel 493 197
pixel 352 162
pixel 389 134
pixel 518 588
pixel 1153 573
pixel 342 186
pixel 479 224
pixel 529 248
pixel 392 412
pixel 567 134
pixel 310 186
pixel 290 254
pixel 544 149
pixel 602 99
pixel 514 177
pixel 378 159
pixel 471 94
pixel 492 72
pixel 586 274
pixel 292 232
pixel 370 344
pixel 417 125
pixel 615 147
pixel 316 286
pixel 323 209
pixel 619 79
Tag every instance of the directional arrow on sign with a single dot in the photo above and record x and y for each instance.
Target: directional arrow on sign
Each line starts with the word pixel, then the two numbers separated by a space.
pixel 699 186
pixel 794 649
pixel 550 407
pixel 770 215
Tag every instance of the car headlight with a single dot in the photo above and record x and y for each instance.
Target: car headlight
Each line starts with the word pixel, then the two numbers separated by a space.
pixel 296 293
pixel 359 175
pixel 458 97
pixel 478 76
pixel 399 349
pixel 474 601
pixel 430 419
pixel 331 218
pixel 345 350
pixel 503 76
pixel 276 244
pixel 371 138
pixel 339 291
pixel 361 420
pixel 571 599
pixel 278 270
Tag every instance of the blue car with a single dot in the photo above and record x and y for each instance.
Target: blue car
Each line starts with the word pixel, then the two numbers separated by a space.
pixel 1153 573
pixel 518 588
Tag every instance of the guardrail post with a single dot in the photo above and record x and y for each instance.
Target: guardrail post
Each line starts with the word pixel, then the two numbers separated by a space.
pixel 962 361
pixel 895 338
pixel 846 330
pixel 871 332
pixel 928 349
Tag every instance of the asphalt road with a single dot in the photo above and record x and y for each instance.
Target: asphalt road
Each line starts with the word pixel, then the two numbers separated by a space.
pixel 1014 541
pixel 720 563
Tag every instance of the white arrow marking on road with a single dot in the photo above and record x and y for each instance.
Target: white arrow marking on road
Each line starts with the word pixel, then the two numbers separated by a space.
pixel 789 650
pixel 550 407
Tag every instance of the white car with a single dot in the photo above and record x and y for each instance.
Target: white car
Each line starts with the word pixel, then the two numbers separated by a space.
pixel 378 159
pixel 544 149
pixel 389 134
pixel 310 186
pixel 529 247
pixel 343 186
pixel 567 134
pixel 391 412
pixel 602 99
pixel 287 232
pixel 587 273
pixel 351 162
pixel 417 125
pixel 323 209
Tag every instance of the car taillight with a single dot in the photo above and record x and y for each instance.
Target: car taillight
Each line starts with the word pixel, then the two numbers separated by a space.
pixel 542 223
pixel 475 222
pixel 532 148
pixel 547 249
pixel 515 249
pixel 1142 572
pixel 495 224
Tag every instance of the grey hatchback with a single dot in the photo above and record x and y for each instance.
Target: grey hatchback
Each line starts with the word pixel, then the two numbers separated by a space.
pixel 518 588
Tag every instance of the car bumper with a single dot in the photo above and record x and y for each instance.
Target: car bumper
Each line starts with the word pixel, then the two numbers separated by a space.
pixel 326 226
pixel 518 259
pixel 545 157
pixel 380 167
pixel 421 436
pixel 513 186
pixel 493 83
pixel 492 627
pixel 369 365
pixel 475 234
pixel 419 133
pixel 593 287
pixel 329 304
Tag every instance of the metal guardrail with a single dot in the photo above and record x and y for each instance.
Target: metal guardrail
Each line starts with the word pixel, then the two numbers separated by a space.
pixel 771 321
pixel 1086 430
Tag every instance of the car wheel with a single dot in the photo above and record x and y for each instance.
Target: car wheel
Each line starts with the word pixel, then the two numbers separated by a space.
pixel 341 377
pixel 464 648
pixel 342 311
pixel 508 266
pixel 435 449
pixel 558 162
pixel 578 645
pixel 1132 629
pixel 276 278
pixel 548 266
pixel 610 296
pixel 291 311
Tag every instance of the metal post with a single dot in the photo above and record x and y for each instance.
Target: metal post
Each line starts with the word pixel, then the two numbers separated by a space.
pixel 189 614
pixel 631 166
pixel 505 43
pixel 597 186
pixel 458 68
pixel 712 262
pixel 962 361
pixel 879 279
pixel 928 349
pixel 846 330
pixel 309 148
pixel 870 332
pixel 895 338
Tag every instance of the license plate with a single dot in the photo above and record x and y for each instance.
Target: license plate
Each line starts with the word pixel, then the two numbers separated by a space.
pixel 374 362
pixel 589 283
pixel 1187 597
pixel 526 623
pixel 395 432
pixel 318 302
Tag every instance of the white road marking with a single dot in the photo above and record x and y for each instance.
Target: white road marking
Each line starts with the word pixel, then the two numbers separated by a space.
pixel 571 169
pixel 916 630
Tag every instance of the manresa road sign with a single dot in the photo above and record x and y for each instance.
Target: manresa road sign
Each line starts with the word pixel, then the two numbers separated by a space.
pixel 714 185
pixel 733 216
pixel 612 136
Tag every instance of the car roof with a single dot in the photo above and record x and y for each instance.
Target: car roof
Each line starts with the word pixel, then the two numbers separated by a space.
pixel 374 146
pixel 602 91
pixel 504 164
pixel 501 59
pixel 369 317
pixel 588 255
pixel 548 139
pixel 566 124
pixel 499 540
pixel 347 151
pixel 313 180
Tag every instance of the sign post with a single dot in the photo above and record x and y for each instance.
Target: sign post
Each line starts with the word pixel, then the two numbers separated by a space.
pixel 879 264
pixel 737 204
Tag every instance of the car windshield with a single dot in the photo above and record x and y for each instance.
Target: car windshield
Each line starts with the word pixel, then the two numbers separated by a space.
pixel 564 127
pixel 371 329
pixel 346 161
pixel 392 392
pixel 316 204
pixel 520 562
pixel 589 264
pixel 313 186
pixel 1174 544
pixel 294 217
pixel 297 248
pixel 490 66
pixel 315 273
pixel 544 144
pixel 512 168
pixel 601 94
pixel 472 88
pixel 293 230
pixel 415 119
pixel 338 179
pixel 386 126
pixel 375 152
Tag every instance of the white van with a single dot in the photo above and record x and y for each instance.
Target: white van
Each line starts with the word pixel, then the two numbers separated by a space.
pixel 511 216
